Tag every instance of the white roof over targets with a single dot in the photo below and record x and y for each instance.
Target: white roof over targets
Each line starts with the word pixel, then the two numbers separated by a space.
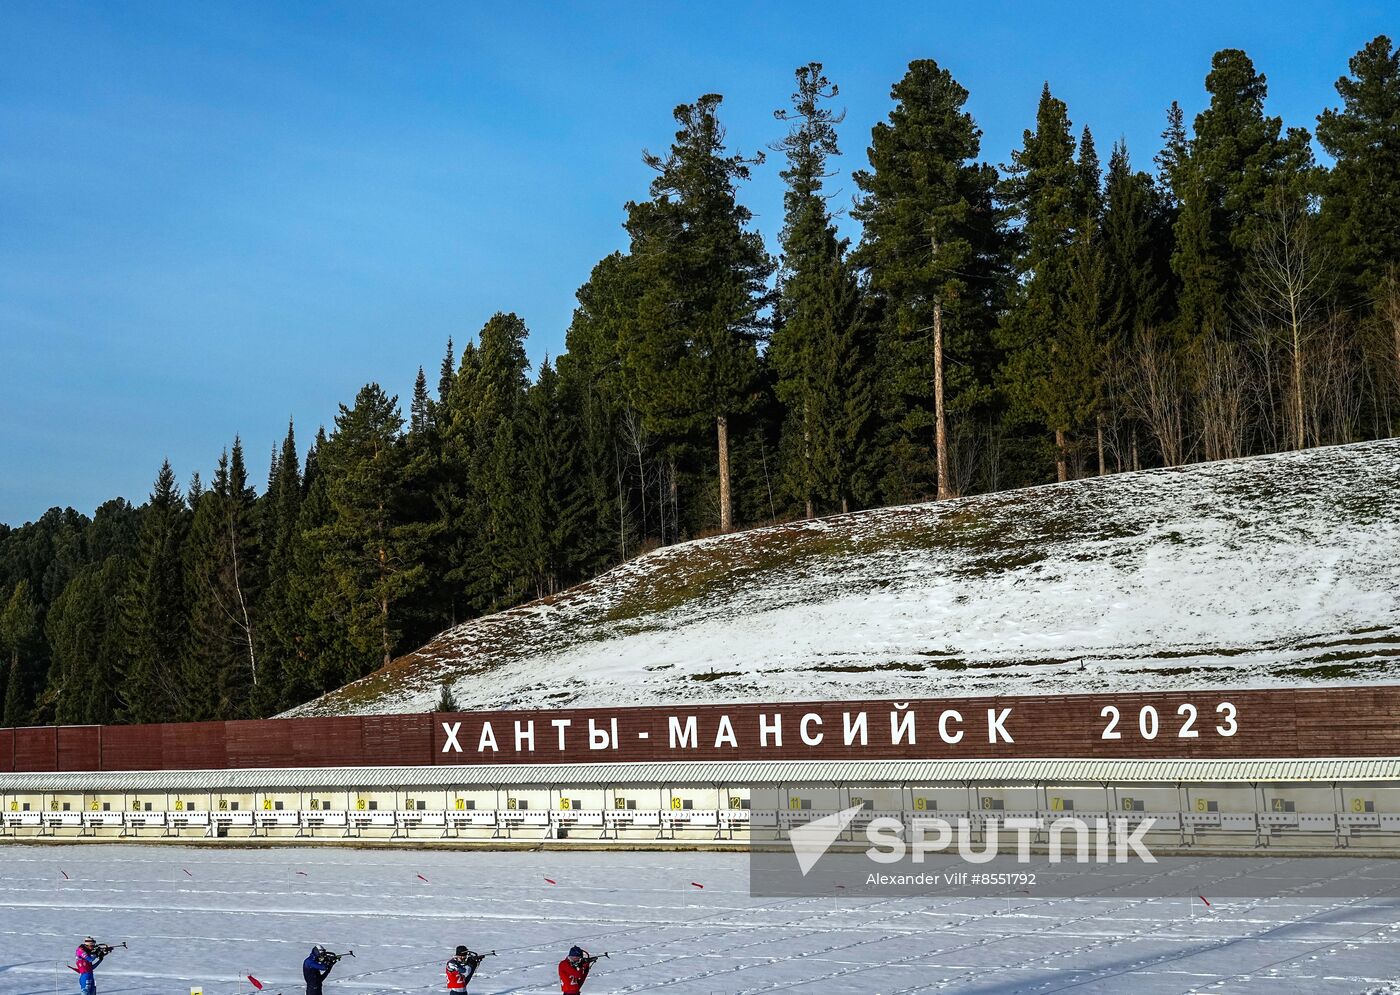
pixel 733 773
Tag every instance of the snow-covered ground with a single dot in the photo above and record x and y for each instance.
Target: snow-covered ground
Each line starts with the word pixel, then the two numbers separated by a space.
pixel 1275 570
pixel 210 917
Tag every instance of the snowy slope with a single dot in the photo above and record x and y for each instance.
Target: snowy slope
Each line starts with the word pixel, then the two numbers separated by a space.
pixel 211 917
pixel 1275 570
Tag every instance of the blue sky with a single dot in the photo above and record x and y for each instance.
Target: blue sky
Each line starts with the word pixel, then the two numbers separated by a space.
pixel 217 216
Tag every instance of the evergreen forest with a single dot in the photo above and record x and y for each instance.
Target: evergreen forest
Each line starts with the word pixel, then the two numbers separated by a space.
pixel 1064 309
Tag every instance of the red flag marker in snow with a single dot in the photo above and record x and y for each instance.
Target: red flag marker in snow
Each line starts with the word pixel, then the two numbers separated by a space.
pixel 1203 898
pixel 551 881
pixel 255 982
pixel 65 874
pixel 697 884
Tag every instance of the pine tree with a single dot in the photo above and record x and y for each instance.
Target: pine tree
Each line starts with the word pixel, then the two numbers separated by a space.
pixel 692 346
pixel 933 247
pixel 1361 201
pixel 114 531
pixel 154 613
pixel 447 701
pixel 1237 157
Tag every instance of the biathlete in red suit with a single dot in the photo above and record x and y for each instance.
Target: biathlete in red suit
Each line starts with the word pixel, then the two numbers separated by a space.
pixel 573 971
pixel 85 958
pixel 461 968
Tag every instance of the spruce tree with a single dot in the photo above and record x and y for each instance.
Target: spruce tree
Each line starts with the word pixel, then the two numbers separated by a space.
pixel 594 384
pixel 372 552
pixel 554 501
pixel 1137 234
pixel 1047 193
pixel 491 523
pixel 1175 156
pixel 224 575
pixel 21 649
pixel 422 418
pixel 1082 347
pixel 154 611
pixel 460 513
pixel 692 346
pixel 84 630
pixel 446 372
pixel 317 609
pixel 427 611
pixel 278 532
pixel 819 350
pixel 1137 242
pixel 206 651
pixel 933 247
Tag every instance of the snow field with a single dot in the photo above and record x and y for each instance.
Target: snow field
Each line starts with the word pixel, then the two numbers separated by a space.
pixel 196 916
pixel 1263 572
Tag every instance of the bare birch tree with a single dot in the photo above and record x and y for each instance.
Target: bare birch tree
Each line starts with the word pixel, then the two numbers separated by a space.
pixel 1285 287
pixel 1155 395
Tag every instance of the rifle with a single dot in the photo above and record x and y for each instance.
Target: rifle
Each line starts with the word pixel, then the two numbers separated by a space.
pixel 590 961
pixel 335 958
pixel 473 958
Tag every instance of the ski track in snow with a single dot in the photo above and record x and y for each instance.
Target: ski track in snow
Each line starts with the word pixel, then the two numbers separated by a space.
pixel 249 911
pixel 1270 571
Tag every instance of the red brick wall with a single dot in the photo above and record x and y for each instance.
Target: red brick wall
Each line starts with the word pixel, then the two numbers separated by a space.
pixel 1322 722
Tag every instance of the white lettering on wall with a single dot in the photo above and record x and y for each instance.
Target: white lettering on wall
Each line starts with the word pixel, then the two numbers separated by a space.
pixel 684 737
pixel 950 737
pixel 857 727
pixel 996 727
pixel 774 729
pixel 724 735
pixel 901 724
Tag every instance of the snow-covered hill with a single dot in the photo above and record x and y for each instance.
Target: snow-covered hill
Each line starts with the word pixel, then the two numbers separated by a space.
pixel 1275 570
